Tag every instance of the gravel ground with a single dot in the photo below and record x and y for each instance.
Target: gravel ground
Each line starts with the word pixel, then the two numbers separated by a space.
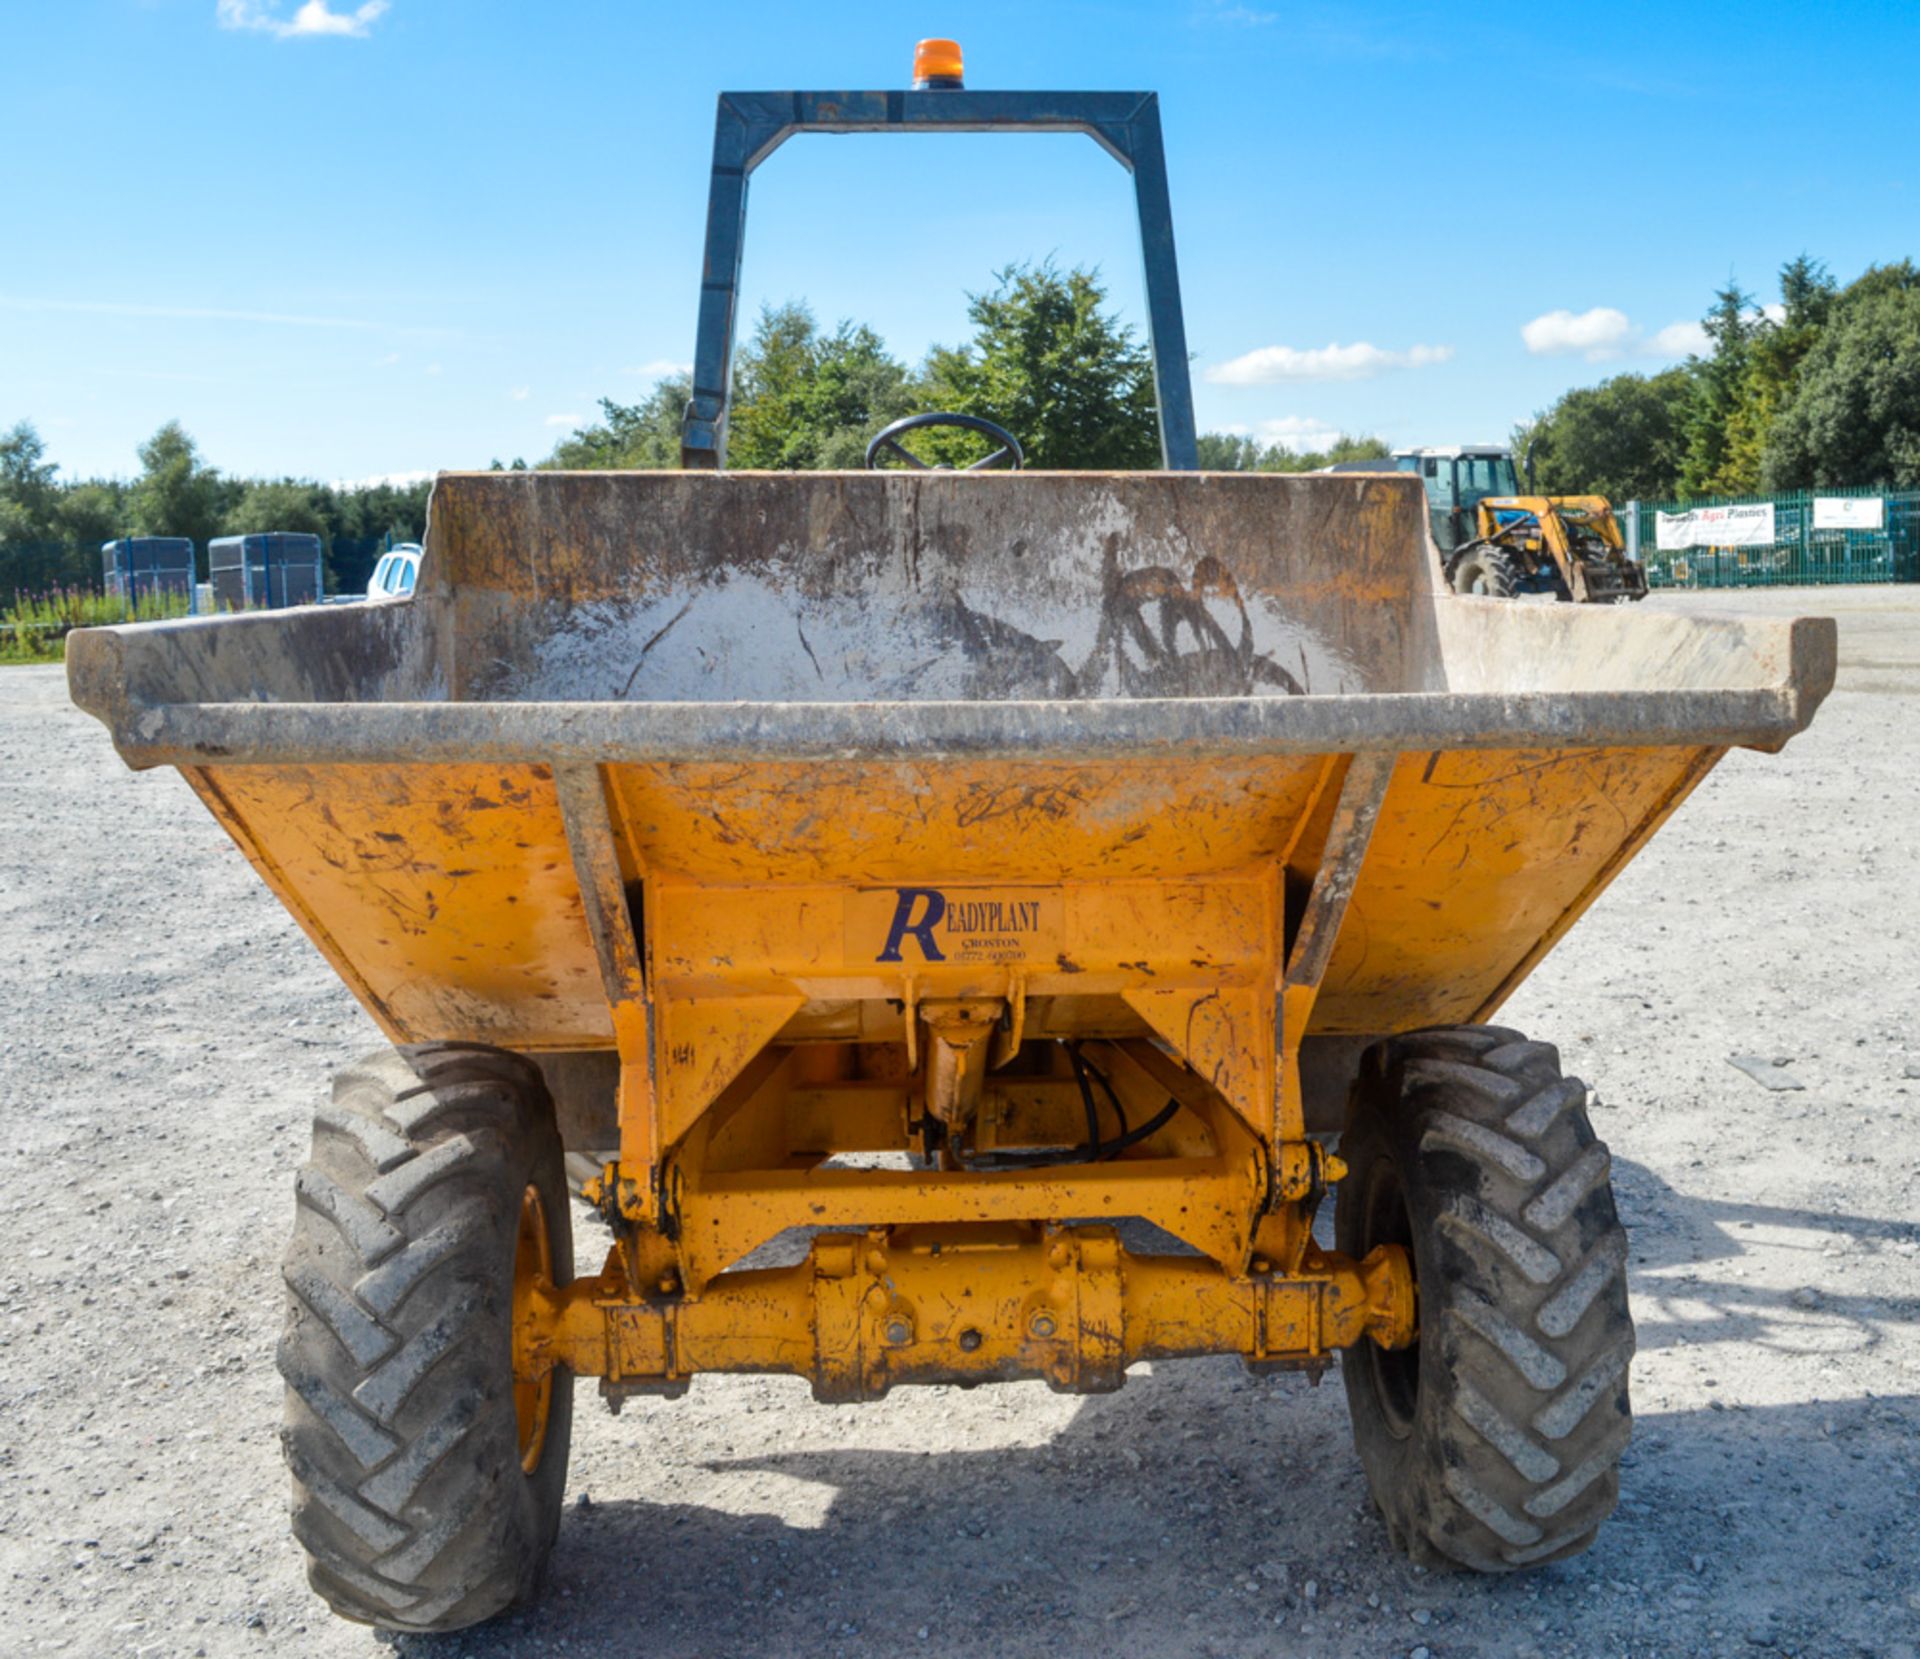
pixel 165 1031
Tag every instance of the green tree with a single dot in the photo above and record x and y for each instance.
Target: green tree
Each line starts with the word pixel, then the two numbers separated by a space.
pixel 1896 278
pixel 644 434
pixel 1775 352
pixel 284 504
pixel 176 494
pixel 804 399
pixel 34 553
pixel 1053 367
pixel 1343 448
pixel 1853 415
pixel 92 513
pixel 51 532
pixel 1228 452
pixel 1731 325
pixel 361 523
pixel 1046 362
pixel 1807 292
pixel 1625 439
pixel 28 494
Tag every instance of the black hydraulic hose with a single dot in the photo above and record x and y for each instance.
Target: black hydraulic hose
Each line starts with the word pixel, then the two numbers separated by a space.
pixel 1083 1064
pixel 1097 1150
pixel 1092 1149
pixel 1153 1125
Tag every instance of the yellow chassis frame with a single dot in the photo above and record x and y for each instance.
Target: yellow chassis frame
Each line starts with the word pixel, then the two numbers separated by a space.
pixel 802 1043
pixel 746 1089
pixel 738 901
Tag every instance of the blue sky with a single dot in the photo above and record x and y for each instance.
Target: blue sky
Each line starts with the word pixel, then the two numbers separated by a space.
pixel 347 240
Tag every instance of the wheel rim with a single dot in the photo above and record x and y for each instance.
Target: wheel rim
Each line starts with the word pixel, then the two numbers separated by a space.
pixel 532 1269
pixel 1395 1371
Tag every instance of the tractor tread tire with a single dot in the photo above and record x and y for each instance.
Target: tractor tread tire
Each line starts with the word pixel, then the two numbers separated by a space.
pixel 1503 574
pixel 401 1433
pixel 1509 1455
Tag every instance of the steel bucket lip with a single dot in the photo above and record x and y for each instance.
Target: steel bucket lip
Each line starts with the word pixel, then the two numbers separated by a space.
pixel 515 559
pixel 1173 728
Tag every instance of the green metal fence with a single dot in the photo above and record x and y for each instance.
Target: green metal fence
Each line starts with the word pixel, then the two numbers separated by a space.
pixel 1802 554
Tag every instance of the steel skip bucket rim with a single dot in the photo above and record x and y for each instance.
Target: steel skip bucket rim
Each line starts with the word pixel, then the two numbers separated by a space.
pixel 1182 727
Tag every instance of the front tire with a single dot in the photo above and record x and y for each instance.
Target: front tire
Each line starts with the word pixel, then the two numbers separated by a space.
pixel 1494 1441
pixel 1487 571
pixel 427 1487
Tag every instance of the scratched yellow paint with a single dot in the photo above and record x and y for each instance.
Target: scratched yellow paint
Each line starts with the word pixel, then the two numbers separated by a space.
pixel 444 895
pixel 835 940
pixel 1076 898
pixel 1481 857
pixel 1194 958
pixel 965 821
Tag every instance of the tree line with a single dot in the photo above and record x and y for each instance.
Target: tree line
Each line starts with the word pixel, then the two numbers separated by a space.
pixel 51 530
pixel 1048 361
pixel 1820 391
pixel 1824 390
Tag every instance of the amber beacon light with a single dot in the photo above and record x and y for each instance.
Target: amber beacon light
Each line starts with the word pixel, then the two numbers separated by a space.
pixel 937 66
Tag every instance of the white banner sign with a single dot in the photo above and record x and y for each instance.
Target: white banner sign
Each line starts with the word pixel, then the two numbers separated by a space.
pixel 1849 512
pixel 1715 527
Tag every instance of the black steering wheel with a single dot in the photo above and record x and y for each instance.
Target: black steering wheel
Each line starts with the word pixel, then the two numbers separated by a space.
pixel 1009 454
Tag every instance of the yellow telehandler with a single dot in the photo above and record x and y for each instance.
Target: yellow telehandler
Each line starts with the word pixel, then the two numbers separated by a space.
pixel 1500 543
pixel 1567 545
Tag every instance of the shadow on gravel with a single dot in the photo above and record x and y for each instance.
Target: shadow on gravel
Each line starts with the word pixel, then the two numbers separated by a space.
pixel 1187 1514
pixel 1688 1252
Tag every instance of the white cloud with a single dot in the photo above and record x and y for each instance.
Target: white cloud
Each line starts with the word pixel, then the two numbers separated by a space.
pixel 1359 361
pixel 1775 313
pixel 1601 332
pixel 1296 432
pixel 388 361
pixel 660 368
pixel 520 394
pixel 567 421
pixel 1680 340
pixel 433 368
pixel 313 18
pixel 1605 332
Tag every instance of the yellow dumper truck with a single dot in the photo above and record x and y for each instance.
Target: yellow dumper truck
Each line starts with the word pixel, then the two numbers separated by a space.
pixel 1004 906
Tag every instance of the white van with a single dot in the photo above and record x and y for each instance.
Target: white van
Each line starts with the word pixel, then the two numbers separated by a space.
pixel 399 568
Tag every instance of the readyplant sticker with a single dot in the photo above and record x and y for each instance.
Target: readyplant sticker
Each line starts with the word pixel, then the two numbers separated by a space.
pixel 912 925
